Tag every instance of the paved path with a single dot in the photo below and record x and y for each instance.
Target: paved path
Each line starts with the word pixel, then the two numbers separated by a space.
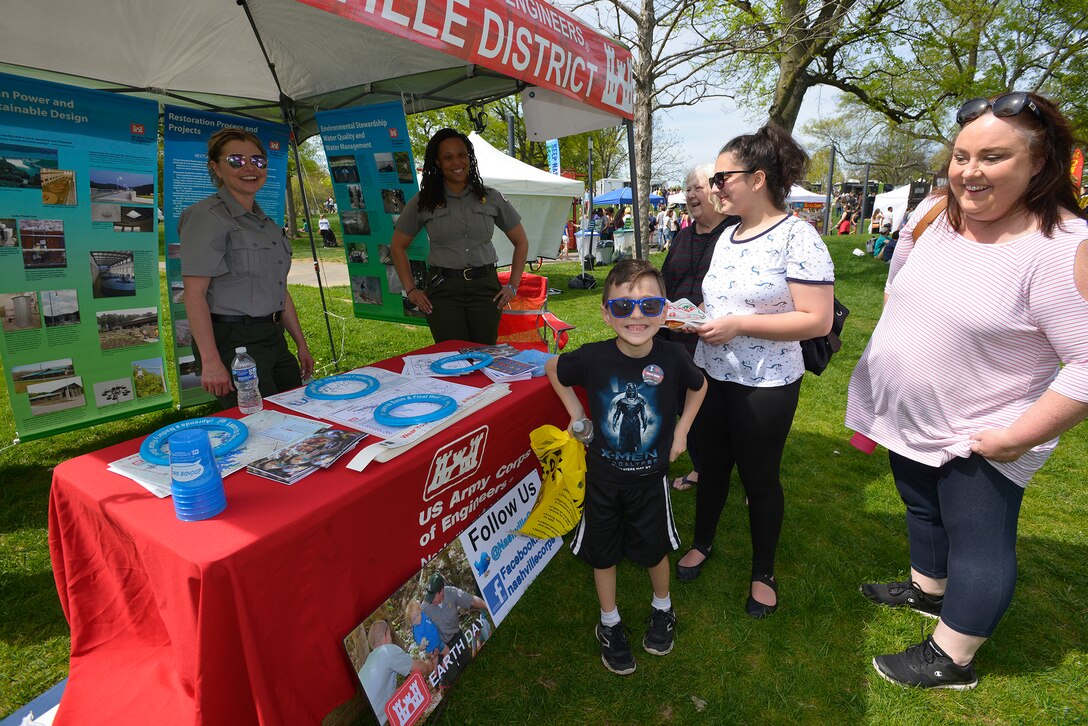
pixel 332 273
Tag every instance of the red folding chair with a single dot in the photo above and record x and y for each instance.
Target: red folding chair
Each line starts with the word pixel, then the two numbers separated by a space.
pixel 527 320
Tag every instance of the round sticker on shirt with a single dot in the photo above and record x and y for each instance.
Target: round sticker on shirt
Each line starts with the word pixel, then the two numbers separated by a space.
pixel 653 375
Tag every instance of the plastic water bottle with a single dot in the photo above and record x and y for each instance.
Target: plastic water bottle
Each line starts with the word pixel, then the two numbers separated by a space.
pixel 582 429
pixel 244 371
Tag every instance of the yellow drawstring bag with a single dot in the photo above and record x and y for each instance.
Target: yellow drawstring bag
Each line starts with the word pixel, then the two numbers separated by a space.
pixel 563 463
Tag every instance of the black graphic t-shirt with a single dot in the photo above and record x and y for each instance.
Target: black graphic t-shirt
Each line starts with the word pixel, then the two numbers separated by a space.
pixel 632 402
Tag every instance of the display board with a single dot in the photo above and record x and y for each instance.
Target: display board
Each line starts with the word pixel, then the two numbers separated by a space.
pixel 185 182
pixel 373 175
pixel 79 269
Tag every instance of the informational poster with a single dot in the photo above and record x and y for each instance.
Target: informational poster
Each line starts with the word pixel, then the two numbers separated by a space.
pixel 373 175
pixel 185 182
pixel 414 647
pixel 79 268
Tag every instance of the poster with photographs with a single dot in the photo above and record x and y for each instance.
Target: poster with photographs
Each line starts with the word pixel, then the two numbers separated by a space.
pixel 373 175
pixel 185 182
pixel 410 651
pixel 79 303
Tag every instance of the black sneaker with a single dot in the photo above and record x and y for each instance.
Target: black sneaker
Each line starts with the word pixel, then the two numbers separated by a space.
pixel 925 666
pixel 904 594
pixel 660 632
pixel 615 652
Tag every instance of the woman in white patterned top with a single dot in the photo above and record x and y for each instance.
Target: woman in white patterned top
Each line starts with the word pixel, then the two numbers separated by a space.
pixel 978 363
pixel 770 284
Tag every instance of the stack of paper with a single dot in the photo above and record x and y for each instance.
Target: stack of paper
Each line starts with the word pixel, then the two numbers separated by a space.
pixel 502 350
pixel 521 367
pixel 269 431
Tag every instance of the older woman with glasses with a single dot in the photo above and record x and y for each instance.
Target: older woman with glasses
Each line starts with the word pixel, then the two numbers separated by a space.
pixel 683 271
pixel 978 363
pixel 234 263
pixel 770 284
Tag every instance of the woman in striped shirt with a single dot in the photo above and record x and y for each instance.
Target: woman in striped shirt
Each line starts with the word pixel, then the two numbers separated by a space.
pixel 978 364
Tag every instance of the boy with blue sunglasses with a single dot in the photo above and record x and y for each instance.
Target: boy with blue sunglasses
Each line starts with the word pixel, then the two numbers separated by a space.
pixel 632 384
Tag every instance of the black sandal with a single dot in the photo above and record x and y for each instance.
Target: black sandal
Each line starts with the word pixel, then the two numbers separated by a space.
pixel 687 574
pixel 754 607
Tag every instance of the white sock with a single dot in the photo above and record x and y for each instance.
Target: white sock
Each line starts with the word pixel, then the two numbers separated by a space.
pixel 610 619
pixel 661 603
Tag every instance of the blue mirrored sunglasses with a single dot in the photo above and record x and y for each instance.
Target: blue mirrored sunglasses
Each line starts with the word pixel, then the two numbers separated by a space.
pixel 622 307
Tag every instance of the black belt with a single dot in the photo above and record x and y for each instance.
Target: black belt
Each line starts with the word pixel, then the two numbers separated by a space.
pixel 467 273
pixel 275 317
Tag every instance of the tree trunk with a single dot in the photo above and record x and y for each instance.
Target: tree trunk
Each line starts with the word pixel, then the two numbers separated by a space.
pixel 790 89
pixel 644 118
pixel 292 217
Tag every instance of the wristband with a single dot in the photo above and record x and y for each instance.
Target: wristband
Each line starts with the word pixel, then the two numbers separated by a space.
pixel 441 366
pixel 383 414
pixel 409 293
pixel 152 451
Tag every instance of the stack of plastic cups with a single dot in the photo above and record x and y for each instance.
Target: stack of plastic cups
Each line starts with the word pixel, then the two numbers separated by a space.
pixel 195 482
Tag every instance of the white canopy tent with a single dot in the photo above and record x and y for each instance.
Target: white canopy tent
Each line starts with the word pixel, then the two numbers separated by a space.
pixel 897 200
pixel 543 200
pixel 799 195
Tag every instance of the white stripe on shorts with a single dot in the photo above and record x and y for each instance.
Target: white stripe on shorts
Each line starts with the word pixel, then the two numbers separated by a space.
pixel 674 536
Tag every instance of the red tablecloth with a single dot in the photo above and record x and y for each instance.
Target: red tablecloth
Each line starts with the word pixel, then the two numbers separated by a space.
pixel 240 619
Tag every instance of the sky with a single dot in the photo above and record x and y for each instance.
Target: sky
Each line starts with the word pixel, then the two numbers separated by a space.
pixel 706 127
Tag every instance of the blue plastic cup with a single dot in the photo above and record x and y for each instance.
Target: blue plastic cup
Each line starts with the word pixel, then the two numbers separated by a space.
pixel 196 485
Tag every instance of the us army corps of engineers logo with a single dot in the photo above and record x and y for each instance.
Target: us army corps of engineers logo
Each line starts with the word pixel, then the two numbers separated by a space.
pixel 455 462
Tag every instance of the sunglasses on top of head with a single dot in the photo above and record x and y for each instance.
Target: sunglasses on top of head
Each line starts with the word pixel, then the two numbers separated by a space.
pixel 1009 104
pixel 237 161
pixel 719 178
pixel 622 307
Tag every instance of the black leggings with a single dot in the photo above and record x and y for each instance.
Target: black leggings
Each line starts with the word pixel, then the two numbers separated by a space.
pixel 746 427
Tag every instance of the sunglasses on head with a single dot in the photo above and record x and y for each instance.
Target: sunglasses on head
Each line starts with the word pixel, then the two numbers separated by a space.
pixel 719 178
pixel 237 161
pixel 1009 104
pixel 622 307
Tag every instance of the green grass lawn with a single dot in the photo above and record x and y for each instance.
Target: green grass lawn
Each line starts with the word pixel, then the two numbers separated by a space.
pixel 809 663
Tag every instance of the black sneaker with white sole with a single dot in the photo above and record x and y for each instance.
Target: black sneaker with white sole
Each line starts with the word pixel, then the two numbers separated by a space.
pixel 904 595
pixel 615 651
pixel 660 632
pixel 925 666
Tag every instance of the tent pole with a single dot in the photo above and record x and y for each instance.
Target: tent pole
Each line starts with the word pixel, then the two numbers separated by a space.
pixel 288 117
pixel 287 110
pixel 636 201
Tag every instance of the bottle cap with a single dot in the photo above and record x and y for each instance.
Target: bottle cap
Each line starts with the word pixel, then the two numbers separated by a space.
pixel 579 426
pixel 240 349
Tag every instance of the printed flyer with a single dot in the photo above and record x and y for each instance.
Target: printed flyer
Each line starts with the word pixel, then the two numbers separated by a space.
pixel 79 267
pixel 185 182
pixel 373 175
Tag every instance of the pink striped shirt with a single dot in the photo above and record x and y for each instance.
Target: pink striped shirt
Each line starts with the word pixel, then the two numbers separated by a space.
pixel 972 335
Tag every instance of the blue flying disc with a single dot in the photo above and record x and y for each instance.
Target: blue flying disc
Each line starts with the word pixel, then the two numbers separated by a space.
pixel 316 389
pixel 441 366
pixel 152 451
pixel 383 414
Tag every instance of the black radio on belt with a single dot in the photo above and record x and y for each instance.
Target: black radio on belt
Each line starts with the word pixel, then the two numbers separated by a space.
pixel 275 317
pixel 467 273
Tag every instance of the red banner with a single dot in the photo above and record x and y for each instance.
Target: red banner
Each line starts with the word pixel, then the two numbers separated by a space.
pixel 524 39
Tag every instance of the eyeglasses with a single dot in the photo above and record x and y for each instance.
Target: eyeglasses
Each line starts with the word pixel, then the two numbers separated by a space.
pixel 237 161
pixel 1009 104
pixel 622 307
pixel 719 178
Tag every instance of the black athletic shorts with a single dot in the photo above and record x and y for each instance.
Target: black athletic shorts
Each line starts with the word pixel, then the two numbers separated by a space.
pixel 620 521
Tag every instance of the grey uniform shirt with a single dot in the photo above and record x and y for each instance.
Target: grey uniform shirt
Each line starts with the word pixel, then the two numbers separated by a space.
pixel 446 616
pixel 461 231
pixel 245 254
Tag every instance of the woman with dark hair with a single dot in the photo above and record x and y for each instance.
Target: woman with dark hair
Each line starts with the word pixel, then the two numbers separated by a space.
pixel 770 284
pixel 234 262
pixel 463 299
pixel 978 363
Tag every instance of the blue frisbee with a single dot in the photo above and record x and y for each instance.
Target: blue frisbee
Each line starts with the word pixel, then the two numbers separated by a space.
pixel 441 366
pixel 316 389
pixel 384 416
pixel 152 451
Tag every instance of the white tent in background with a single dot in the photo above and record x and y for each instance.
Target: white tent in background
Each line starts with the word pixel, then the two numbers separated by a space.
pixel 897 200
pixel 543 200
pixel 678 198
pixel 800 195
